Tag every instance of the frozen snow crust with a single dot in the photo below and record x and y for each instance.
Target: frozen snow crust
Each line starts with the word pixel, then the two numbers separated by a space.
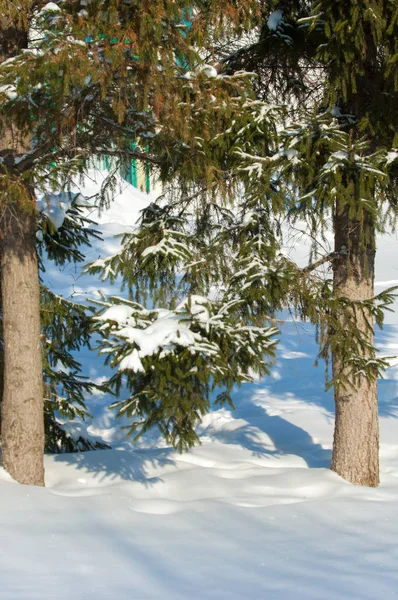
pixel 252 514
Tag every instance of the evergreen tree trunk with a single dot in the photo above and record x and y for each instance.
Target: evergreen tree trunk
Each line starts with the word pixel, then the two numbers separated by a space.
pixel 356 435
pixel 1 345
pixel 22 423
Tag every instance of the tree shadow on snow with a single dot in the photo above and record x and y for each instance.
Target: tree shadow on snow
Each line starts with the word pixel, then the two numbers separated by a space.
pixel 265 434
pixel 387 342
pixel 294 385
pixel 137 465
pixel 297 384
pixel 296 371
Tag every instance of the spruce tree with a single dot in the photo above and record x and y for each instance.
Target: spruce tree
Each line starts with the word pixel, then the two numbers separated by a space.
pixel 334 67
pixel 184 334
pixel 80 79
pixel 110 78
pixel 327 82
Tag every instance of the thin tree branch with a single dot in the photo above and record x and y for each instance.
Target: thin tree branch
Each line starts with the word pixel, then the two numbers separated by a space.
pixel 321 261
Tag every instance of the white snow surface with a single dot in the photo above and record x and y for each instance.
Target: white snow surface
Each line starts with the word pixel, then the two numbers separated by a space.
pixel 254 513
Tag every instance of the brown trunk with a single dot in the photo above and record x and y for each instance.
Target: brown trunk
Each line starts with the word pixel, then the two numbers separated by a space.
pixel 1 346
pixel 356 435
pixel 22 425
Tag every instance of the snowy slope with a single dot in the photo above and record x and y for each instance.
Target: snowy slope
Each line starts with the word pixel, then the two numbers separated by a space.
pixel 254 513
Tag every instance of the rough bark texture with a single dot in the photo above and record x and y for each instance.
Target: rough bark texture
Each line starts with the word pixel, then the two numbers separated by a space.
pixel 1 347
pixel 22 423
pixel 356 436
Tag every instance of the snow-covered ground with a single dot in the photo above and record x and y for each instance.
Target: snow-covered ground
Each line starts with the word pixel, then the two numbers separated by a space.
pixel 254 513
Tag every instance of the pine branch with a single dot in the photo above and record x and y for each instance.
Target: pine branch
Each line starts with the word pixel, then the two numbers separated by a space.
pixel 78 151
pixel 318 263
pixel 131 153
pixel 114 124
pixel 26 162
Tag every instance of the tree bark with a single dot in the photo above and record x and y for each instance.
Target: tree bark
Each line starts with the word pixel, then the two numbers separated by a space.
pixel 22 423
pixel 356 435
pixel 1 345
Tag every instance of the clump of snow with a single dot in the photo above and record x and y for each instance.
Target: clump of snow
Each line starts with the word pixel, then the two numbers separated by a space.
pixel 392 156
pixel 274 20
pixel 9 90
pixel 291 154
pixel 55 206
pixel 209 71
pixel 340 155
pixel 132 362
pixel 197 306
pixel 335 111
pixel 75 41
pixel 206 69
pixel 50 7
pixel 248 218
pixel 167 330
pixel 120 313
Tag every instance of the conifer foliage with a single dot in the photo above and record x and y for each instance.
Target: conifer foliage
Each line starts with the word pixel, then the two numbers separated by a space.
pixel 79 79
pixel 190 328
pixel 173 359
pixel 326 153
pixel 204 270
pixel 334 66
pixel 63 234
